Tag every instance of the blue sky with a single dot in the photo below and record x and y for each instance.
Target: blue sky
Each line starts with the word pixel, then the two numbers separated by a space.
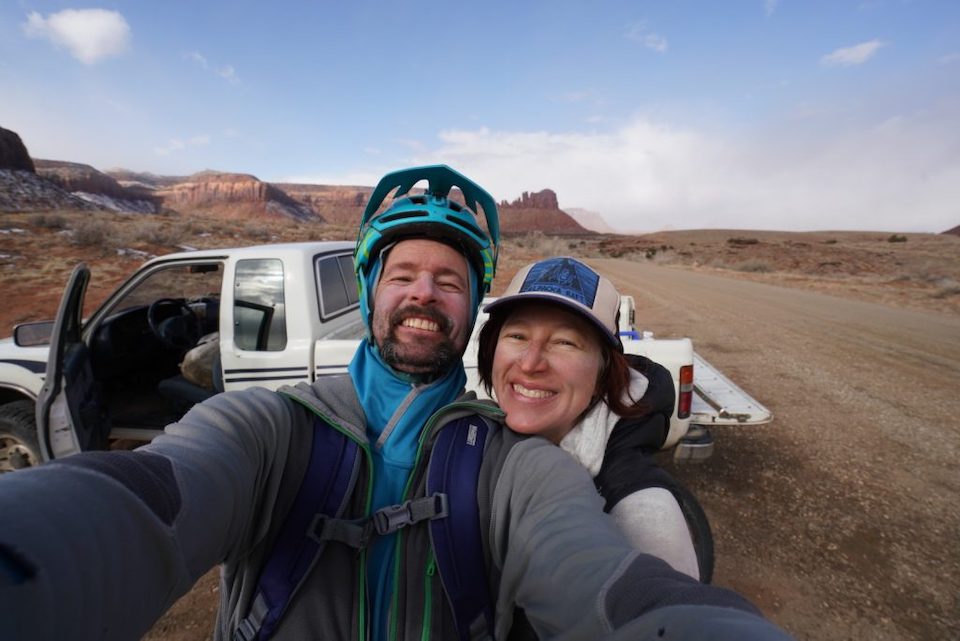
pixel 763 114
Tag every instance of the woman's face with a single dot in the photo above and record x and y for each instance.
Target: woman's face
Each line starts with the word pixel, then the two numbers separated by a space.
pixel 545 369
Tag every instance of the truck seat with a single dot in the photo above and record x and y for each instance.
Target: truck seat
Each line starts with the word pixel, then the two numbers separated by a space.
pixel 181 394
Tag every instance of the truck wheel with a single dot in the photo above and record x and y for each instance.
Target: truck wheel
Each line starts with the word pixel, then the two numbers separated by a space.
pixel 700 531
pixel 18 437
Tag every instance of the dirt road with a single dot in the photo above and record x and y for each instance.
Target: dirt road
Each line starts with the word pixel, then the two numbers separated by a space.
pixel 840 519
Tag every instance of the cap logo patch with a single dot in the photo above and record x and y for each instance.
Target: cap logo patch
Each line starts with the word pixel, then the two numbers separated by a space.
pixel 565 277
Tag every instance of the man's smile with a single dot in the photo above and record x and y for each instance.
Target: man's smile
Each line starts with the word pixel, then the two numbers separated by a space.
pixel 421 323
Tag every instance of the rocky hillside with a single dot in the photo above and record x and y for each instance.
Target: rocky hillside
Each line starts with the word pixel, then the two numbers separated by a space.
pixel 340 205
pixel 21 189
pixel 98 188
pixel 232 196
pixel 144 180
pixel 26 191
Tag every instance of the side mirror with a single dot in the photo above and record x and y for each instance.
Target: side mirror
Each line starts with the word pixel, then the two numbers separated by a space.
pixel 33 334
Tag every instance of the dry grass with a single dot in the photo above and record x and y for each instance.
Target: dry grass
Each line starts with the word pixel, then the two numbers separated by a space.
pixel 49 220
pixel 752 266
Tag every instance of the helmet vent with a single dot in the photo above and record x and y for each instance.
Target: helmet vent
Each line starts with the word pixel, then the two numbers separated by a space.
pixel 473 229
pixel 400 215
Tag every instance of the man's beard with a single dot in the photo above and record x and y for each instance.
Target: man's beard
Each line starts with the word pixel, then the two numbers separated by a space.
pixel 429 361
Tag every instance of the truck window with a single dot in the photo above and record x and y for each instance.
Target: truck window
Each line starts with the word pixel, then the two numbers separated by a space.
pixel 337 283
pixel 190 282
pixel 259 317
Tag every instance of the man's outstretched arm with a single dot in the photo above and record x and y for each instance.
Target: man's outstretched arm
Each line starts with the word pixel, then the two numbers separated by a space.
pixel 575 575
pixel 99 545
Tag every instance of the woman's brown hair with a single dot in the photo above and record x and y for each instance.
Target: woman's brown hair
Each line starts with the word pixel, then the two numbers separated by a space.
pixel 613 380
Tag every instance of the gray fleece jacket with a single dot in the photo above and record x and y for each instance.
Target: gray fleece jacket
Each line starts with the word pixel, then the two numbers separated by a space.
pixel 101 544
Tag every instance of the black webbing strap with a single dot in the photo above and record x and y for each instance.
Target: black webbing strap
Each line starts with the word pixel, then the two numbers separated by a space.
pixel 357 533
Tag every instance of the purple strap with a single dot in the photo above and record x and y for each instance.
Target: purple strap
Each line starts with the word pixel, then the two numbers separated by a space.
pixel 325 490
pixel 457 542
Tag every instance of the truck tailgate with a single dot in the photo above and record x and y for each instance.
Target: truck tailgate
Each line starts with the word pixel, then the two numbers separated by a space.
pixel 719 401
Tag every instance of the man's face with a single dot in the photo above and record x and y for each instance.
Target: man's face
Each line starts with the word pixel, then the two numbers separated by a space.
pixel 421 309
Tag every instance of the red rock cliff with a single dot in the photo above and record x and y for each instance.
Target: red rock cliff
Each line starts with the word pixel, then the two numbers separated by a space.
pixel 227 195
pixel 537 211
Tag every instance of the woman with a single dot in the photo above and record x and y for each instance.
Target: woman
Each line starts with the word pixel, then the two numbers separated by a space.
pixel 551 357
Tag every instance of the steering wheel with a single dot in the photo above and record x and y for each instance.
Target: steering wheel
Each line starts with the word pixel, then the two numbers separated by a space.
pixel 173 323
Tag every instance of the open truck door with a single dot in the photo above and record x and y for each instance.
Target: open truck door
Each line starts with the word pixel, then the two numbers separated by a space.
pixel 70 414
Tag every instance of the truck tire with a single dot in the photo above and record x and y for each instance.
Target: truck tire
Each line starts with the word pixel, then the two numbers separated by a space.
pixel 700 531
pixel 18 436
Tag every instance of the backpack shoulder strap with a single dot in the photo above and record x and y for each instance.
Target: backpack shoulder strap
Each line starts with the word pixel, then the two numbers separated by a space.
pixel 454 470
pixel 324 492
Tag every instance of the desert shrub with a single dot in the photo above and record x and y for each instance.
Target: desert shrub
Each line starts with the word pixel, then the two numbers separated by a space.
pixel 260 233
pixel 92 233
pixel 168 234
pixel 895 238
pixel 752 266
pixel 931 275
pixel 544 245
pixel 49 220
pixel 633 255
pixel 947 287
pixel 739 241
pixel 669 257
pixel 171 235
pixel 830 241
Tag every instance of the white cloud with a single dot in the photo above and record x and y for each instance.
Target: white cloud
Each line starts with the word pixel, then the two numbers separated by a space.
pixel 950 58
pixel 769 6
pixel 899 175
pixel 198 58
pixel 177 144
pixel 640 33
pixel 850 56
pixel 227 72
pixel 90 35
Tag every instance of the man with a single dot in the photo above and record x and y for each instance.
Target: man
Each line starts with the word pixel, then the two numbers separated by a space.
pixel 117 537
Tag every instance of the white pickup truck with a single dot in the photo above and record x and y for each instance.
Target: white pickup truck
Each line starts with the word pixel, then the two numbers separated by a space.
pixel 284 313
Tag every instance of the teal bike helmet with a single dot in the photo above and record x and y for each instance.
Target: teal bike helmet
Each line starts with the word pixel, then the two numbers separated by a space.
pixel 431 215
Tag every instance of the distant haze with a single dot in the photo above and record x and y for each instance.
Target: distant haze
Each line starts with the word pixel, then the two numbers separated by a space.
pixel 592 221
